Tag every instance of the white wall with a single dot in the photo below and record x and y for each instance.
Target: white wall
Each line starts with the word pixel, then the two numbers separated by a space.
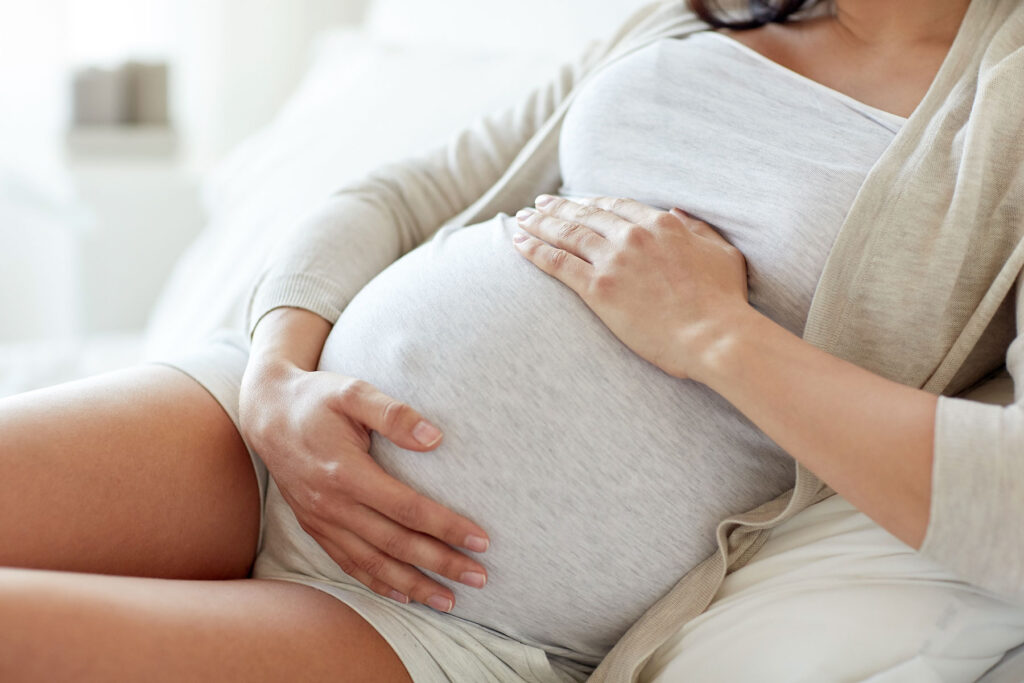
pixel 233 63
pixel 239 61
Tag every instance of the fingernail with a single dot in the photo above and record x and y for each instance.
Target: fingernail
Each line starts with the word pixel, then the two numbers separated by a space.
pixel 678 210
pixel 426 433
pixel 439 602
pixel 474 579
pixel 519 237
pixel 400 597
pixel 523 214
pixel 477 544
pixel 543 200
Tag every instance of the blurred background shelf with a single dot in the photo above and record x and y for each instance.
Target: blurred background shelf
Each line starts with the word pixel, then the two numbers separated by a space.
pixel 95 142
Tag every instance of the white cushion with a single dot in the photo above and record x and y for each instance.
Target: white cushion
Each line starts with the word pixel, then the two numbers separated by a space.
pixel 834 597
pixel 364 101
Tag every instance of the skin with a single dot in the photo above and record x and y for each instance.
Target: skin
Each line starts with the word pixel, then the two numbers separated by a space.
pixel 906 41
pixel 140 472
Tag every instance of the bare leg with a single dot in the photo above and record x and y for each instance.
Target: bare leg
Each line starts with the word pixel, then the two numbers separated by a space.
pixel 60 626
pixel 141 472
pixel 138 471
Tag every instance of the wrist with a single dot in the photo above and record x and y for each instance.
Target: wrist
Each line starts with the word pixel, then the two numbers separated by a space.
pixel 264 384
pixel 713 348
pixel 288 338
pixel 269 368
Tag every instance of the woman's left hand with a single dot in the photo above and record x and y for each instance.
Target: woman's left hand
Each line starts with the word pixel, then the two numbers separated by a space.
pixel 666 284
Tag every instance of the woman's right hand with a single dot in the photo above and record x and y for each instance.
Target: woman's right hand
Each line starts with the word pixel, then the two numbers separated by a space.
pixel 312 429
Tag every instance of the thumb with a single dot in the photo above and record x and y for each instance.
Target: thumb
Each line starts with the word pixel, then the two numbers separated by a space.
pixel 390 417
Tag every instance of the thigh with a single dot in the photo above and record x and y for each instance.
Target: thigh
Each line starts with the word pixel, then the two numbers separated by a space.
pixel 60 626
pixel 138 471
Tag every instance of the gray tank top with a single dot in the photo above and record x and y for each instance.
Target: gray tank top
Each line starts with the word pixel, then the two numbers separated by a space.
pixel 599 477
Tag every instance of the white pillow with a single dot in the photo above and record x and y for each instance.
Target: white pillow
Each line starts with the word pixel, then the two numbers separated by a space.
pixel 833 597
pixel 564 26
pixel 362 102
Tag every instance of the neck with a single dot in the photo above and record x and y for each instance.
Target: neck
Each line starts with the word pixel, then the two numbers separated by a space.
pixel 899 23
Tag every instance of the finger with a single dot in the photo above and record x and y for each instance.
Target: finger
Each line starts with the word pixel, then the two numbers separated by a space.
pixel 379 491
pixel 576 238
pixel 579 228
pixel 414 547
pixel 629 209
pixel 374 584
pixel 558 263
pixel 407 579
pixel 389 417
pixel 343 558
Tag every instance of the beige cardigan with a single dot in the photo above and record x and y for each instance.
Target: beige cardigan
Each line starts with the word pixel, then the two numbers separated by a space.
pixel 918 287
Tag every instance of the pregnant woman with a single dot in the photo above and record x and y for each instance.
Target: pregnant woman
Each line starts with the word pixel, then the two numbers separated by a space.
pixel 513 415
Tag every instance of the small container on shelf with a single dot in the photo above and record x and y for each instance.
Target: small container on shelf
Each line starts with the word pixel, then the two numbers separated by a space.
pixel 121 112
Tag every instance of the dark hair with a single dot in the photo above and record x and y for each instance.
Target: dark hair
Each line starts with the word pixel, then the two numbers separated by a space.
pixel 761 12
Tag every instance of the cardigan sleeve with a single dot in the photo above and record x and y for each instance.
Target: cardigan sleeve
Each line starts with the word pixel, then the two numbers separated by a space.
pixel 360 229
pixel 977 506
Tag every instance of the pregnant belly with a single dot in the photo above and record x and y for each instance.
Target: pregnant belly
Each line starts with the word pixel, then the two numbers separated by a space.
pixel 598 477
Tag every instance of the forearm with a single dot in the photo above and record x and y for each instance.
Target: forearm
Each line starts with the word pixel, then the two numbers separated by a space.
pixel 869 438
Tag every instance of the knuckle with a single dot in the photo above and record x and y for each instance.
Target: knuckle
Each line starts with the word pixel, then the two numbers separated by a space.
pixel 373 563
pixel 313 501
pixel 667 221
pixel 603 283
pixel 347 565
pixel 394 545
pixel 557 258
pixel 408 513
pixel 636 236
pixel 392 414
pixel 585 211
pixel 350 393
pixel 569 232
pixel 334 478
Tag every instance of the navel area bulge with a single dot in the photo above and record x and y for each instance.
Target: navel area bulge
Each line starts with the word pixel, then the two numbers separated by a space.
pixel 598 476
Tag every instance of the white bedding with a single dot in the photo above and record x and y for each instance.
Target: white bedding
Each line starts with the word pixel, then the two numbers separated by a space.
pixel 31 365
